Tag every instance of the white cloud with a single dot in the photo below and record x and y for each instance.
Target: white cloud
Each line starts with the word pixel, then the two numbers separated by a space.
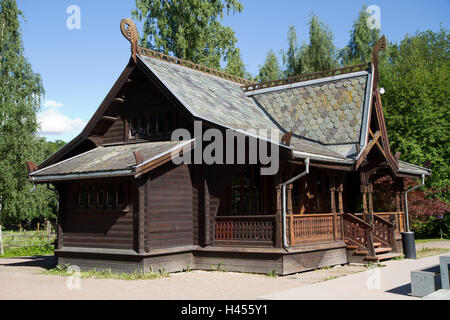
pixel 52 104
pixel 53 122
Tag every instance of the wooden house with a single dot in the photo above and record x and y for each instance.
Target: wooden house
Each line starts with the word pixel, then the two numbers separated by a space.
pixel 125 204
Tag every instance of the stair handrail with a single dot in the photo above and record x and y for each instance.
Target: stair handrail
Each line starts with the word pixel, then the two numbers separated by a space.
pixel 352 216
pixel 368 242
pixel 391 225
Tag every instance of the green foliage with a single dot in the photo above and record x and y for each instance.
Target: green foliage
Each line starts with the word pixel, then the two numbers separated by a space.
pixel 291 58
pixel 417 100
pixel 362 40
pixel 272 273
pixel 35 250
pixel 108 274
pixel 432 227
pixel 21 91
pixel 270 69
pixel 427 252
pixel 319 54
pixel 191 30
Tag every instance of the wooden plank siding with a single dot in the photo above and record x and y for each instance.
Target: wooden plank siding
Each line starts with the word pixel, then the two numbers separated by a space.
pixel 115 133
pixel 168 207
pixel 110 229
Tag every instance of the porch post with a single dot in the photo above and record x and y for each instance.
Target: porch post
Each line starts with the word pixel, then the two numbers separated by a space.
pixel 278 220
pixel 364 191
pixel 340 191
pixel 364 199
pixel 370 191
pixel 290 213
pixel 397 196
pixel 332 192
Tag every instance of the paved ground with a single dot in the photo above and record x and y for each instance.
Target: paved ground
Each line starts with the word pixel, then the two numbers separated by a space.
pixel 23 278
pixel 391 282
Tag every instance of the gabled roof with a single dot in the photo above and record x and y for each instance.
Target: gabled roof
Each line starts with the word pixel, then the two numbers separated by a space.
pixel 329 111
pixel 209 97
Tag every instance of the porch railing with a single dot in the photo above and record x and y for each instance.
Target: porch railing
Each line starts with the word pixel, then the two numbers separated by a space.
pixel 399 219
pixel 313 228
pixel 255 229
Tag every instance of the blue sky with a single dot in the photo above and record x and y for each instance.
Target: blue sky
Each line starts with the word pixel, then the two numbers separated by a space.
pixel 80 66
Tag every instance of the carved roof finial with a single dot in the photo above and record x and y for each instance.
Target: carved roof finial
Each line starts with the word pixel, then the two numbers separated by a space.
pixel 129 31
pixel 379 46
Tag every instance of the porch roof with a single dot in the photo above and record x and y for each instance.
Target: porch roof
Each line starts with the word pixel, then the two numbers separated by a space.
pixel 109 161
pixel 405 167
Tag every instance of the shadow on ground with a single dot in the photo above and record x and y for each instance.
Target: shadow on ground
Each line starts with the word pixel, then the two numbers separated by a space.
pixel 46 262
pixel 403 290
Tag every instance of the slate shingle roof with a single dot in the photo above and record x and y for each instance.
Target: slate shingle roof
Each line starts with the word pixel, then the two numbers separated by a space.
pixel 330 112
pixel 111 158
pixel 408 167
pixel 209 97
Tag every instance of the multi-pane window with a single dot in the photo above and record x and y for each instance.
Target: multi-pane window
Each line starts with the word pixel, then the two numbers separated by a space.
pixel 151 125
pixel 101 195
pixel 246 191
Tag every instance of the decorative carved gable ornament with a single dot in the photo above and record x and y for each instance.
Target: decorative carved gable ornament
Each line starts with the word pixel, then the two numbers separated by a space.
pixel 129 31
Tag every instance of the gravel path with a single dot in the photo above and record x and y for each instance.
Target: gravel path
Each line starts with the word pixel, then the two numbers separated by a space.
pixel 23 278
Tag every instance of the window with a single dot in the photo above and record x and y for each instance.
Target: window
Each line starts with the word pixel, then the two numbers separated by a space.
pixel 103 195
pixel 245 191
pixel 83 196
pixel 92 196
pixel 151 125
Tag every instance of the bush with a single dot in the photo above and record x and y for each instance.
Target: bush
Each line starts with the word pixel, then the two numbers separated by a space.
pixel 432 227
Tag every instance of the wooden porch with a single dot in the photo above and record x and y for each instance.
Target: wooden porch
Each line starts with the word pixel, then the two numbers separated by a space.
pixel 304 229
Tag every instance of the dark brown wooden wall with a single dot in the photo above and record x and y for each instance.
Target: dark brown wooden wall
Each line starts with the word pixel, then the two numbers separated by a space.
pixel 168 208
pixel 111 229
pixel 115 133
pixel 141 98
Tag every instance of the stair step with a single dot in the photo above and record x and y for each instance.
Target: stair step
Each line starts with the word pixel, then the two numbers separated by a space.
pixel 377 251
pixel 377 244
pixel 352 247
pixel 383 257
pixel 382 250
pixel 388 256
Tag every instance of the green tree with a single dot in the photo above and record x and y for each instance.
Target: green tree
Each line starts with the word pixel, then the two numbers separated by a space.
pixel 362 40
pixel 191 30
pixel 270 70
pixel 291 58
pixel 320 54
pixel 20 95
pixel 417 101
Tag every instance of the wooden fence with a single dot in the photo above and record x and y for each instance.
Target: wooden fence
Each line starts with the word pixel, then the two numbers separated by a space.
pixel 24 238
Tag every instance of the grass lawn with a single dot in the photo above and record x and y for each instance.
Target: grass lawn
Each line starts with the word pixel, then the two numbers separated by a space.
pixel 28 251
pixel 430 240
pixel 427 252
pixel 27 244
pixel 107 274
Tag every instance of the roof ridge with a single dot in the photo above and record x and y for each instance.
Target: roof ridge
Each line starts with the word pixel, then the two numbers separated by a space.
pixel 191 65
pixel 129 31
pixel 307 77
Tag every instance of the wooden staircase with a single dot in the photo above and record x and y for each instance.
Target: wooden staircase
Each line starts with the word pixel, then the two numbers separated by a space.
pixel 359 235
